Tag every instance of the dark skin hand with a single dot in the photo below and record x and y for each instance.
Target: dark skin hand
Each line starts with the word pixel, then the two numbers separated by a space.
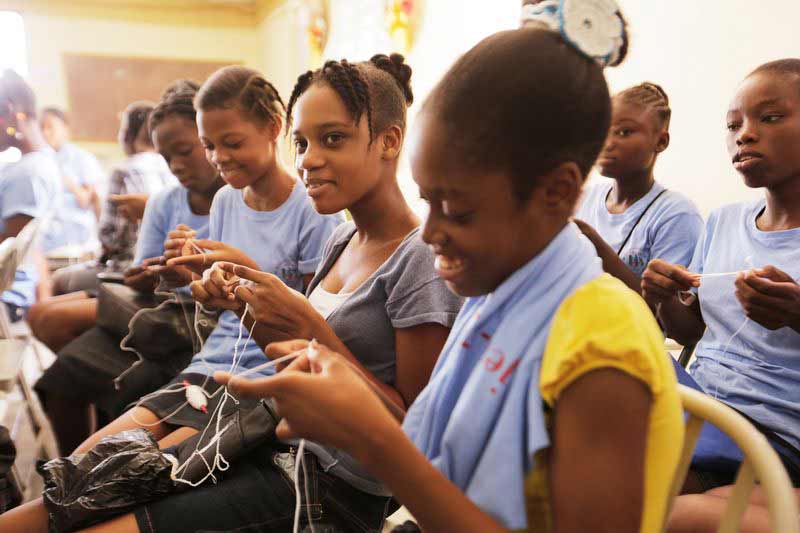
pixel 142 278
pixel 770 297
pixel 611 261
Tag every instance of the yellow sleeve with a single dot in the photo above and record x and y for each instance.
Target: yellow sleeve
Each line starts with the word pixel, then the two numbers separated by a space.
pixel 603 324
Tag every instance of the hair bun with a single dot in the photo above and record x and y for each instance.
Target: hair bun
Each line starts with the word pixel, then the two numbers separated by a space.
pixel 395 65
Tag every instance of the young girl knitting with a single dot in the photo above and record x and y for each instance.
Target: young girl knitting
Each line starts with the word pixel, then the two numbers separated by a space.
pixel 78 377
pixel 375 294
pixel 745 311
pixel 513 431
pixel 633 218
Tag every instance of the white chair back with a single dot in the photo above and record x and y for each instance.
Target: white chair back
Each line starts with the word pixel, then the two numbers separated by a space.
pixel 761 464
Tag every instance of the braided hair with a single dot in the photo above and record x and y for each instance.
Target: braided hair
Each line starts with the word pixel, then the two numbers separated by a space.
pixel 244 89
pixel 178 99
pixel 652 96
pixel 135 118
pixel 379 88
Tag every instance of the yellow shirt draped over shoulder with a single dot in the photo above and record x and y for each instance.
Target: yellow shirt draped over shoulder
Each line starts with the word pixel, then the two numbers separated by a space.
pixel 604 324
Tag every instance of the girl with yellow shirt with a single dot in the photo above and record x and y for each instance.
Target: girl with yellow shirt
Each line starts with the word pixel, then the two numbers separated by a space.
pixel 553 405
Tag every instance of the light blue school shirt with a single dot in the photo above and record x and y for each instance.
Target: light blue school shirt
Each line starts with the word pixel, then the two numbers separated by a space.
pixel 669 230
pixel 480 420
pixel 77 224
pixel 164 211
pixel 760 373
pixel 287 242
pixel 31 187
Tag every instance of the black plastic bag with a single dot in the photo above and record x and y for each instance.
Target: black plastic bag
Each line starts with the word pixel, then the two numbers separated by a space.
pixel 10 495
pixel 120 473
pixel 241 431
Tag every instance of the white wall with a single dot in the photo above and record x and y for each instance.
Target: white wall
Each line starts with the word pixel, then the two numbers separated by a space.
pixel 698 50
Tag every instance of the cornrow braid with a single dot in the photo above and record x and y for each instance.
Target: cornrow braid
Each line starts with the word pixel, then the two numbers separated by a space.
pixel 303 83
pixel 260 98
pixel 242 88
pixel 347 80
pixel 178 99
pixel 650 95
pixel 379 88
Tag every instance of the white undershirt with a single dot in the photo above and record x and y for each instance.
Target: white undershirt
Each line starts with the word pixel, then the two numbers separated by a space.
pixel 326 302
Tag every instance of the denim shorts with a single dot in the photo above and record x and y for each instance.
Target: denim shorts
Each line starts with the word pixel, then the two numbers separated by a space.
pixel 257 494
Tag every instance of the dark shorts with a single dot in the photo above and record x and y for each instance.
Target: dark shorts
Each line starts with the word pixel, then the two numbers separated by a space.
pixel 85 370
pixel 724 473
pixel 173 407
pixel 257 495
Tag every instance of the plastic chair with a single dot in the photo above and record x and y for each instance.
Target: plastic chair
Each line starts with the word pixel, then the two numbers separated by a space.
pixel 14 347
pixel 761 463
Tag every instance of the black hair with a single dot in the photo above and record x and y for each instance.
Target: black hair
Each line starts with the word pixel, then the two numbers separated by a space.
pixel 178 99
pixel 60 114
pixel 379 88
pixel 650 95
pixel 137 115
pixel 244 89
pixel 788 66
pixel 15 91
pixel 522 102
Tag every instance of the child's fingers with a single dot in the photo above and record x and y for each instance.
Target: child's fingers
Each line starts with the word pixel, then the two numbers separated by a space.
pixel 251 274
pixel 196 260
pixel 778 289
pixel 275 350
pixel 773 273
pixel 254 388
pixel 216 284
pixel 174 242
pixel 199 292
pixel 243 293
pixel 209 244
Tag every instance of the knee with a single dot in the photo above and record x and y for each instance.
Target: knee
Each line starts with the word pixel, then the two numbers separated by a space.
pixel 35 315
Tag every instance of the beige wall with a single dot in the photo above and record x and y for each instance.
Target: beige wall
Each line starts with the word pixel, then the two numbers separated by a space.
pixel 50 36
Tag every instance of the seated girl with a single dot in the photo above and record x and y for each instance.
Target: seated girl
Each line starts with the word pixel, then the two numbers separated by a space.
pixel 29 188
pixel 546 345
pixel 633 218
pixel 81 175
pixel 375 292
pixel 747 319
pixel 142 172
pixel 78 378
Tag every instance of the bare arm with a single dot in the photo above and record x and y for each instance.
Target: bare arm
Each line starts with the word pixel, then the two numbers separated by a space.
pixel 662 284
pixel 14 225
pixel 597 456
pixel 611 261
